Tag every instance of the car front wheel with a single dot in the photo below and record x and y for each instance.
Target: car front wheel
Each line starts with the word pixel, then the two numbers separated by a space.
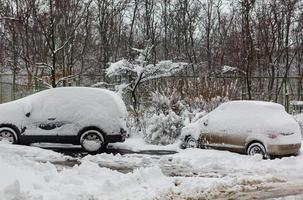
pixel 92 141
pixel 8 135
pixel 190 142
pixel 257 148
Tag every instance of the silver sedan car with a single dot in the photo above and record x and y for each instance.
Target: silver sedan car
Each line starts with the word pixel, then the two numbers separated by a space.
pixel 250 127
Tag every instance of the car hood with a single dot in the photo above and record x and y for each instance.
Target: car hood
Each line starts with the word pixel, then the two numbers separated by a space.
pixel 12 112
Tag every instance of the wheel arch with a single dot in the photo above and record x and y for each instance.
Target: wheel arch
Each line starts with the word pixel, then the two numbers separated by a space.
pixel 87 128
pixel 14 128
pixel 254 141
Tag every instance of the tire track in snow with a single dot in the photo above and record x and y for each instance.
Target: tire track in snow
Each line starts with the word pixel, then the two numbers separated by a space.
pixel 247 190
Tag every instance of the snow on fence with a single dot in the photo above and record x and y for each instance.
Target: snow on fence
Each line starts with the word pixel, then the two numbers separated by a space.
pixel 190 86
pixel 9 89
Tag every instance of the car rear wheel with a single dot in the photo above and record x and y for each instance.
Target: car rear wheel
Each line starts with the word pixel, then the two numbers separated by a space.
pixel 92 141
pixel 190 142
pixel 257 148
pixel 8 135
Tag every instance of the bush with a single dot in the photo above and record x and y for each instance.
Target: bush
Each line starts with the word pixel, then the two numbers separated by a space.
pixel 166 114
pixel 163 121
pixel 163 129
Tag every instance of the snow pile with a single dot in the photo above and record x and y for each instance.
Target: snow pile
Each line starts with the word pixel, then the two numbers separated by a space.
pixel 191 173
pixel 205 174
pixel 29 179
pixel 31 153
pixel 137 143
pixel 214 160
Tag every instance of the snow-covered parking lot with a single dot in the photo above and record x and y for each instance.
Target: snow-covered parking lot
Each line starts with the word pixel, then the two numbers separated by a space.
pixel 34 173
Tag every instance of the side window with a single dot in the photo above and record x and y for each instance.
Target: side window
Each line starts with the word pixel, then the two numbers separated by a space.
pixel 43 105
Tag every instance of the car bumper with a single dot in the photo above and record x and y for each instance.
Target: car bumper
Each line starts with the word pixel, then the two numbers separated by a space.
pixel 283 149
pixel 117 137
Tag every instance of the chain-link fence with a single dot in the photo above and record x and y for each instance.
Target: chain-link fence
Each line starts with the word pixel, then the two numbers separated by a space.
pixel 287 92
pixel 17 86
pixel 11 88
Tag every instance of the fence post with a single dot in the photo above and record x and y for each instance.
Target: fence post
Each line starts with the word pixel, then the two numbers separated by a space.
pixel 242 80
pixel 0 88
pixel 78 81
pixel 286 96
pixel 14 85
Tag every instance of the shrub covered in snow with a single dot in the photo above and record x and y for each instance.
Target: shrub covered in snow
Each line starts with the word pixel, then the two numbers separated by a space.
pixel 168 113
pixel 299 119
pixel 163 128
pixel 163 122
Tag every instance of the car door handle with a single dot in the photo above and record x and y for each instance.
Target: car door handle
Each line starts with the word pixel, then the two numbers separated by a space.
pixel 51 119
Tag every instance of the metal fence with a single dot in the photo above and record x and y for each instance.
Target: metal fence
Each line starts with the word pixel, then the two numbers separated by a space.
pixel 9 89
pixel 14 87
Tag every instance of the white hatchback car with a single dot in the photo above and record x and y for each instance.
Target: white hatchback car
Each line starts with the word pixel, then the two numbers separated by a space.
pixel 91 117
pixel 251 127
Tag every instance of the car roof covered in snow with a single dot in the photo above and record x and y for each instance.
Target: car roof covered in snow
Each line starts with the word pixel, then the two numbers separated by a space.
pixel 246 104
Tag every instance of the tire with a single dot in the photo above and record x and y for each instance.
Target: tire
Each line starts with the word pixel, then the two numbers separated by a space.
pixel 8 135
pixel 257 148
pixel 92 141
pixel 190 142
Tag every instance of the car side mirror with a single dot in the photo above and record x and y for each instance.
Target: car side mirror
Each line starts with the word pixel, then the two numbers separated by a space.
pixel 205 123
pixel 27 108
pixel 28 114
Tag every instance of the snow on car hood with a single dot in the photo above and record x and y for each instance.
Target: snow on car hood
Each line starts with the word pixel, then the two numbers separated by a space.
pixel 78 105
pixel 256 117
pixel 12 112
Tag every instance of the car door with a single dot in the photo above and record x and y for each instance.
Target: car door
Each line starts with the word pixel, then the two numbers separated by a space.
pixel 68 122
pixel 41 123
pixel 211 137
pixel 234 139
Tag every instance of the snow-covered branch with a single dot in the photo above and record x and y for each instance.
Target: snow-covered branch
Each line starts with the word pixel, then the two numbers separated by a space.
pixel 66 78
pixel 139 71
pixel 119 68
pixel 9 18
pixel 44 65
pixel 44 82
pixel 163 69
pixel 120 89
pixel 62 46
pixel 229 69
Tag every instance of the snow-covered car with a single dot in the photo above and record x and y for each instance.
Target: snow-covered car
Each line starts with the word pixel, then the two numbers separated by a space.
pixel 251 127
pixel 91 117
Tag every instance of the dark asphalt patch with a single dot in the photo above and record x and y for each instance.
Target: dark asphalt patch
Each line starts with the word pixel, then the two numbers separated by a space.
pixel 79 153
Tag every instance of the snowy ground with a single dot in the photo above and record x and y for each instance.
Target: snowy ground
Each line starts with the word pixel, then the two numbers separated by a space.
pixel 34 173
